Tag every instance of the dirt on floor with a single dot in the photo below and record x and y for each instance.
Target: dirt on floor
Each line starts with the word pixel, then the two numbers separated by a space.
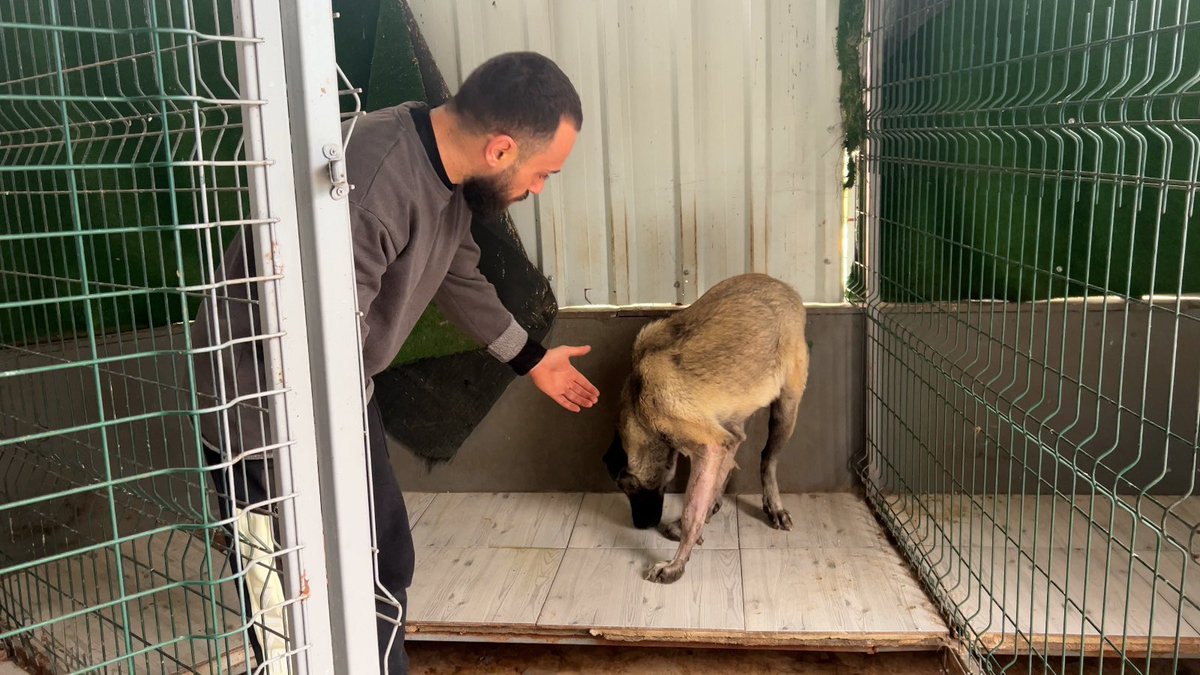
pixel 7 667
pixel 445 658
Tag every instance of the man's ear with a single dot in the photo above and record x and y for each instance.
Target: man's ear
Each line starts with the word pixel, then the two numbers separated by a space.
pixel 500 151
pixel 615 459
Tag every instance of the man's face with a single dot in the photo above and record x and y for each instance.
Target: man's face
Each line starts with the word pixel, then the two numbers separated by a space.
pixel 516 178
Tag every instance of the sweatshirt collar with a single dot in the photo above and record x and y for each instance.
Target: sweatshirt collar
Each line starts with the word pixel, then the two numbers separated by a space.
pixel 424 127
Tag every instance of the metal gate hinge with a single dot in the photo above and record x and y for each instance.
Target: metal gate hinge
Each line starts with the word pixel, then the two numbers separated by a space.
pixel 337 171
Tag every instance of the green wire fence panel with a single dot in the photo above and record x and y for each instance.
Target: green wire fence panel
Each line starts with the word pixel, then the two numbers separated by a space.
pixel 125 172
pixel 1030 268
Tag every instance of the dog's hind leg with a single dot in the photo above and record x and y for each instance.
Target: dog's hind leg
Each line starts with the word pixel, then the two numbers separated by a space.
pixel 783 423
pixel 710 468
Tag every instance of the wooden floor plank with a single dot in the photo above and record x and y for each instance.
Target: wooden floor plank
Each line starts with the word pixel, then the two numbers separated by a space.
pixel 606 588
pixel 691 637
pixel 417 503
pixel 153 567
pixel 1059 595
pixel 1111 588
pixel 481 584
pixel 605 522
pixel 829 590
pixel 838 520
pixel 1178 517
pixel 833 579
pixel 986 520
pixel 503 520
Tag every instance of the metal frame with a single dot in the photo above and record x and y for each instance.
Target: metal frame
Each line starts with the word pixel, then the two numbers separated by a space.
pixel 868 191
pixel 1024 444
pixel 153 112
pixel 273 199
pixel 329 460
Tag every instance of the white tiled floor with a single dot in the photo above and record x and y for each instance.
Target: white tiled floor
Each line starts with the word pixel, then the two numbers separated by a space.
pixel 535 520
pixel 604 523
pixel 552 561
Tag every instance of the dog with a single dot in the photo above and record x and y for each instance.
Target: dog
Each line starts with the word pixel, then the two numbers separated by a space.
pixel 697 377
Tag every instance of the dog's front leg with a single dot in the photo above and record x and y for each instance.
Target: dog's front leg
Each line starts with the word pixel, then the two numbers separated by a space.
pixel 710 467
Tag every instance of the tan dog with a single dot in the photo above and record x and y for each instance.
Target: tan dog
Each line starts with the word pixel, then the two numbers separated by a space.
pixel 697 378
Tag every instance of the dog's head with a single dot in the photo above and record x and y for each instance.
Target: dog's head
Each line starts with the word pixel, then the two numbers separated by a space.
pixel 640 460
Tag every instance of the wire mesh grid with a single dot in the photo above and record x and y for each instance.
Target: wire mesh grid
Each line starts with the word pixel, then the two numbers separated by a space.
pixel 1028 264
pixel 125 174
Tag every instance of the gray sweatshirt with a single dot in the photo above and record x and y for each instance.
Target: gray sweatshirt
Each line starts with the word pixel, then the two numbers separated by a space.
pixel 412 239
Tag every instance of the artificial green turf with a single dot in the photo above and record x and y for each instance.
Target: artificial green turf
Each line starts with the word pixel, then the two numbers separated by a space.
pixel 1038 177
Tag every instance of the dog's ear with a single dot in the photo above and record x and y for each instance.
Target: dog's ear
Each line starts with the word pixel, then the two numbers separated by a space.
pixel 615 459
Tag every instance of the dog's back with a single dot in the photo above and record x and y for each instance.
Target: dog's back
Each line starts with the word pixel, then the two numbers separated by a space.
pixel 729 354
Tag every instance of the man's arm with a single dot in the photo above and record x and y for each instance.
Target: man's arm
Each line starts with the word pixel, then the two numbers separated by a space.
pixel 468 299
pixel 374 249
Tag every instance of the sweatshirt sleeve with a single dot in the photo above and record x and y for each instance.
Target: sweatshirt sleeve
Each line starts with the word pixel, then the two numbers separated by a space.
pixel 469 300
pixel 374 249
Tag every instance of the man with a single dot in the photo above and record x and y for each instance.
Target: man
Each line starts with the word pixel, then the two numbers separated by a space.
pixel 419 176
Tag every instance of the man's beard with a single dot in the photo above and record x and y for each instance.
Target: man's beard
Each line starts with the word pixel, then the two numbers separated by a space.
pixel 488 197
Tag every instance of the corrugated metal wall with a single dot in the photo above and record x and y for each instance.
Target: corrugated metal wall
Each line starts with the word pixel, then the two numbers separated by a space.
pixel 711 143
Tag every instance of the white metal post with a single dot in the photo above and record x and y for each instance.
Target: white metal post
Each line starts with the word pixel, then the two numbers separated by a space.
pixel 325 466
pixel 273 200
pixel 339 457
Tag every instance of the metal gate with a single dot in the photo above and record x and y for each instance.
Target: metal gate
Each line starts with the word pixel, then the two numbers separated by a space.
pixel 138 142
pixel 1030 269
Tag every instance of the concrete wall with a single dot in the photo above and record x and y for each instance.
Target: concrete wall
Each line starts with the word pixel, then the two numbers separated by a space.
pixel 528 443
pixel 78 425
pixel 962 400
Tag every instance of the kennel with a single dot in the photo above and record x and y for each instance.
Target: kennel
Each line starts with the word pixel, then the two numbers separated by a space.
pixel 138 140
pixel 1012 384
pixel 1030 283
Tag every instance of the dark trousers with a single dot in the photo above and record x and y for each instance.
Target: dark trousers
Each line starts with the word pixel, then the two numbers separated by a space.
pixel 394 566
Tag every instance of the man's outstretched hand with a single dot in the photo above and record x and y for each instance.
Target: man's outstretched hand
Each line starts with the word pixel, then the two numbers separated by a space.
pixel 559 380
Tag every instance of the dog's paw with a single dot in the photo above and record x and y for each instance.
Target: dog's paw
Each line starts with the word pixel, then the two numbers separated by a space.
pixel 780 520
pixel 665 573
pixel 674 531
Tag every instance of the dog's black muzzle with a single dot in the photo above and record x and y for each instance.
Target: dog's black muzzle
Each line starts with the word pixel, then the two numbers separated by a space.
pixel 645 505
pixel 647 508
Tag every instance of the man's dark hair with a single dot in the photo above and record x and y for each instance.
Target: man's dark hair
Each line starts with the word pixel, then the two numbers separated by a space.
pixel 522 94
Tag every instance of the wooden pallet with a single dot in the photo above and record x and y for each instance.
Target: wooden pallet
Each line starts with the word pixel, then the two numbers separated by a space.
pixel 567 568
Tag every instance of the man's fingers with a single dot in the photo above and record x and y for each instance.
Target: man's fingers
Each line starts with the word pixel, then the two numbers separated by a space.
pixel 562 400
pixel 578 380
pixel 577 398
pixel 578 351
pixel 588 387
pixel 583 394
